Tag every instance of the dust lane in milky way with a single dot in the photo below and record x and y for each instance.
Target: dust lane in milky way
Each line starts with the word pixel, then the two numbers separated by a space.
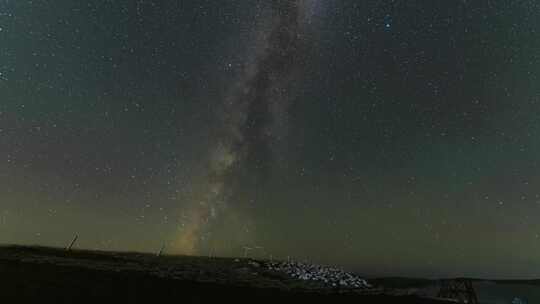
pixel 252 121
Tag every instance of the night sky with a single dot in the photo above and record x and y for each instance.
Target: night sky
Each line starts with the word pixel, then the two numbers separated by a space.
pixel 388 137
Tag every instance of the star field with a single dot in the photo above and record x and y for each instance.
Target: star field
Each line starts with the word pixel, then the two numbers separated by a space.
pixel 389 137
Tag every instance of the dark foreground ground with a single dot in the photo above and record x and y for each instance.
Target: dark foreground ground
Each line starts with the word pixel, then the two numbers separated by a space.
pixel 44 275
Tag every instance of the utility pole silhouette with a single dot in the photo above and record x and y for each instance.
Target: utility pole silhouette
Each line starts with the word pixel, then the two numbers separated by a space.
pixel 460 290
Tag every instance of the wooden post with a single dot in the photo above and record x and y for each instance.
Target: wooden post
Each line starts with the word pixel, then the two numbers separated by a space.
pixel 160 250
pixel 68 248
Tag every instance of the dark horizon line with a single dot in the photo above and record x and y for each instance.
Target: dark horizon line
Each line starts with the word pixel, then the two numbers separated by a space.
pixel 389 277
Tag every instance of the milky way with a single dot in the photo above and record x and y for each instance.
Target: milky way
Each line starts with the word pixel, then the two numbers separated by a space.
pixel 389 137
pixel 253 120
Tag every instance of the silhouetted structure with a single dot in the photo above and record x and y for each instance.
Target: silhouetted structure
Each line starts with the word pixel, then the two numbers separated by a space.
pixel 68 248
pixel 458 289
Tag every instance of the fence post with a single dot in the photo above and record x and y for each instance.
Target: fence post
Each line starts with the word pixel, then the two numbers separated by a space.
pixel 68 248
pixel 160 250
